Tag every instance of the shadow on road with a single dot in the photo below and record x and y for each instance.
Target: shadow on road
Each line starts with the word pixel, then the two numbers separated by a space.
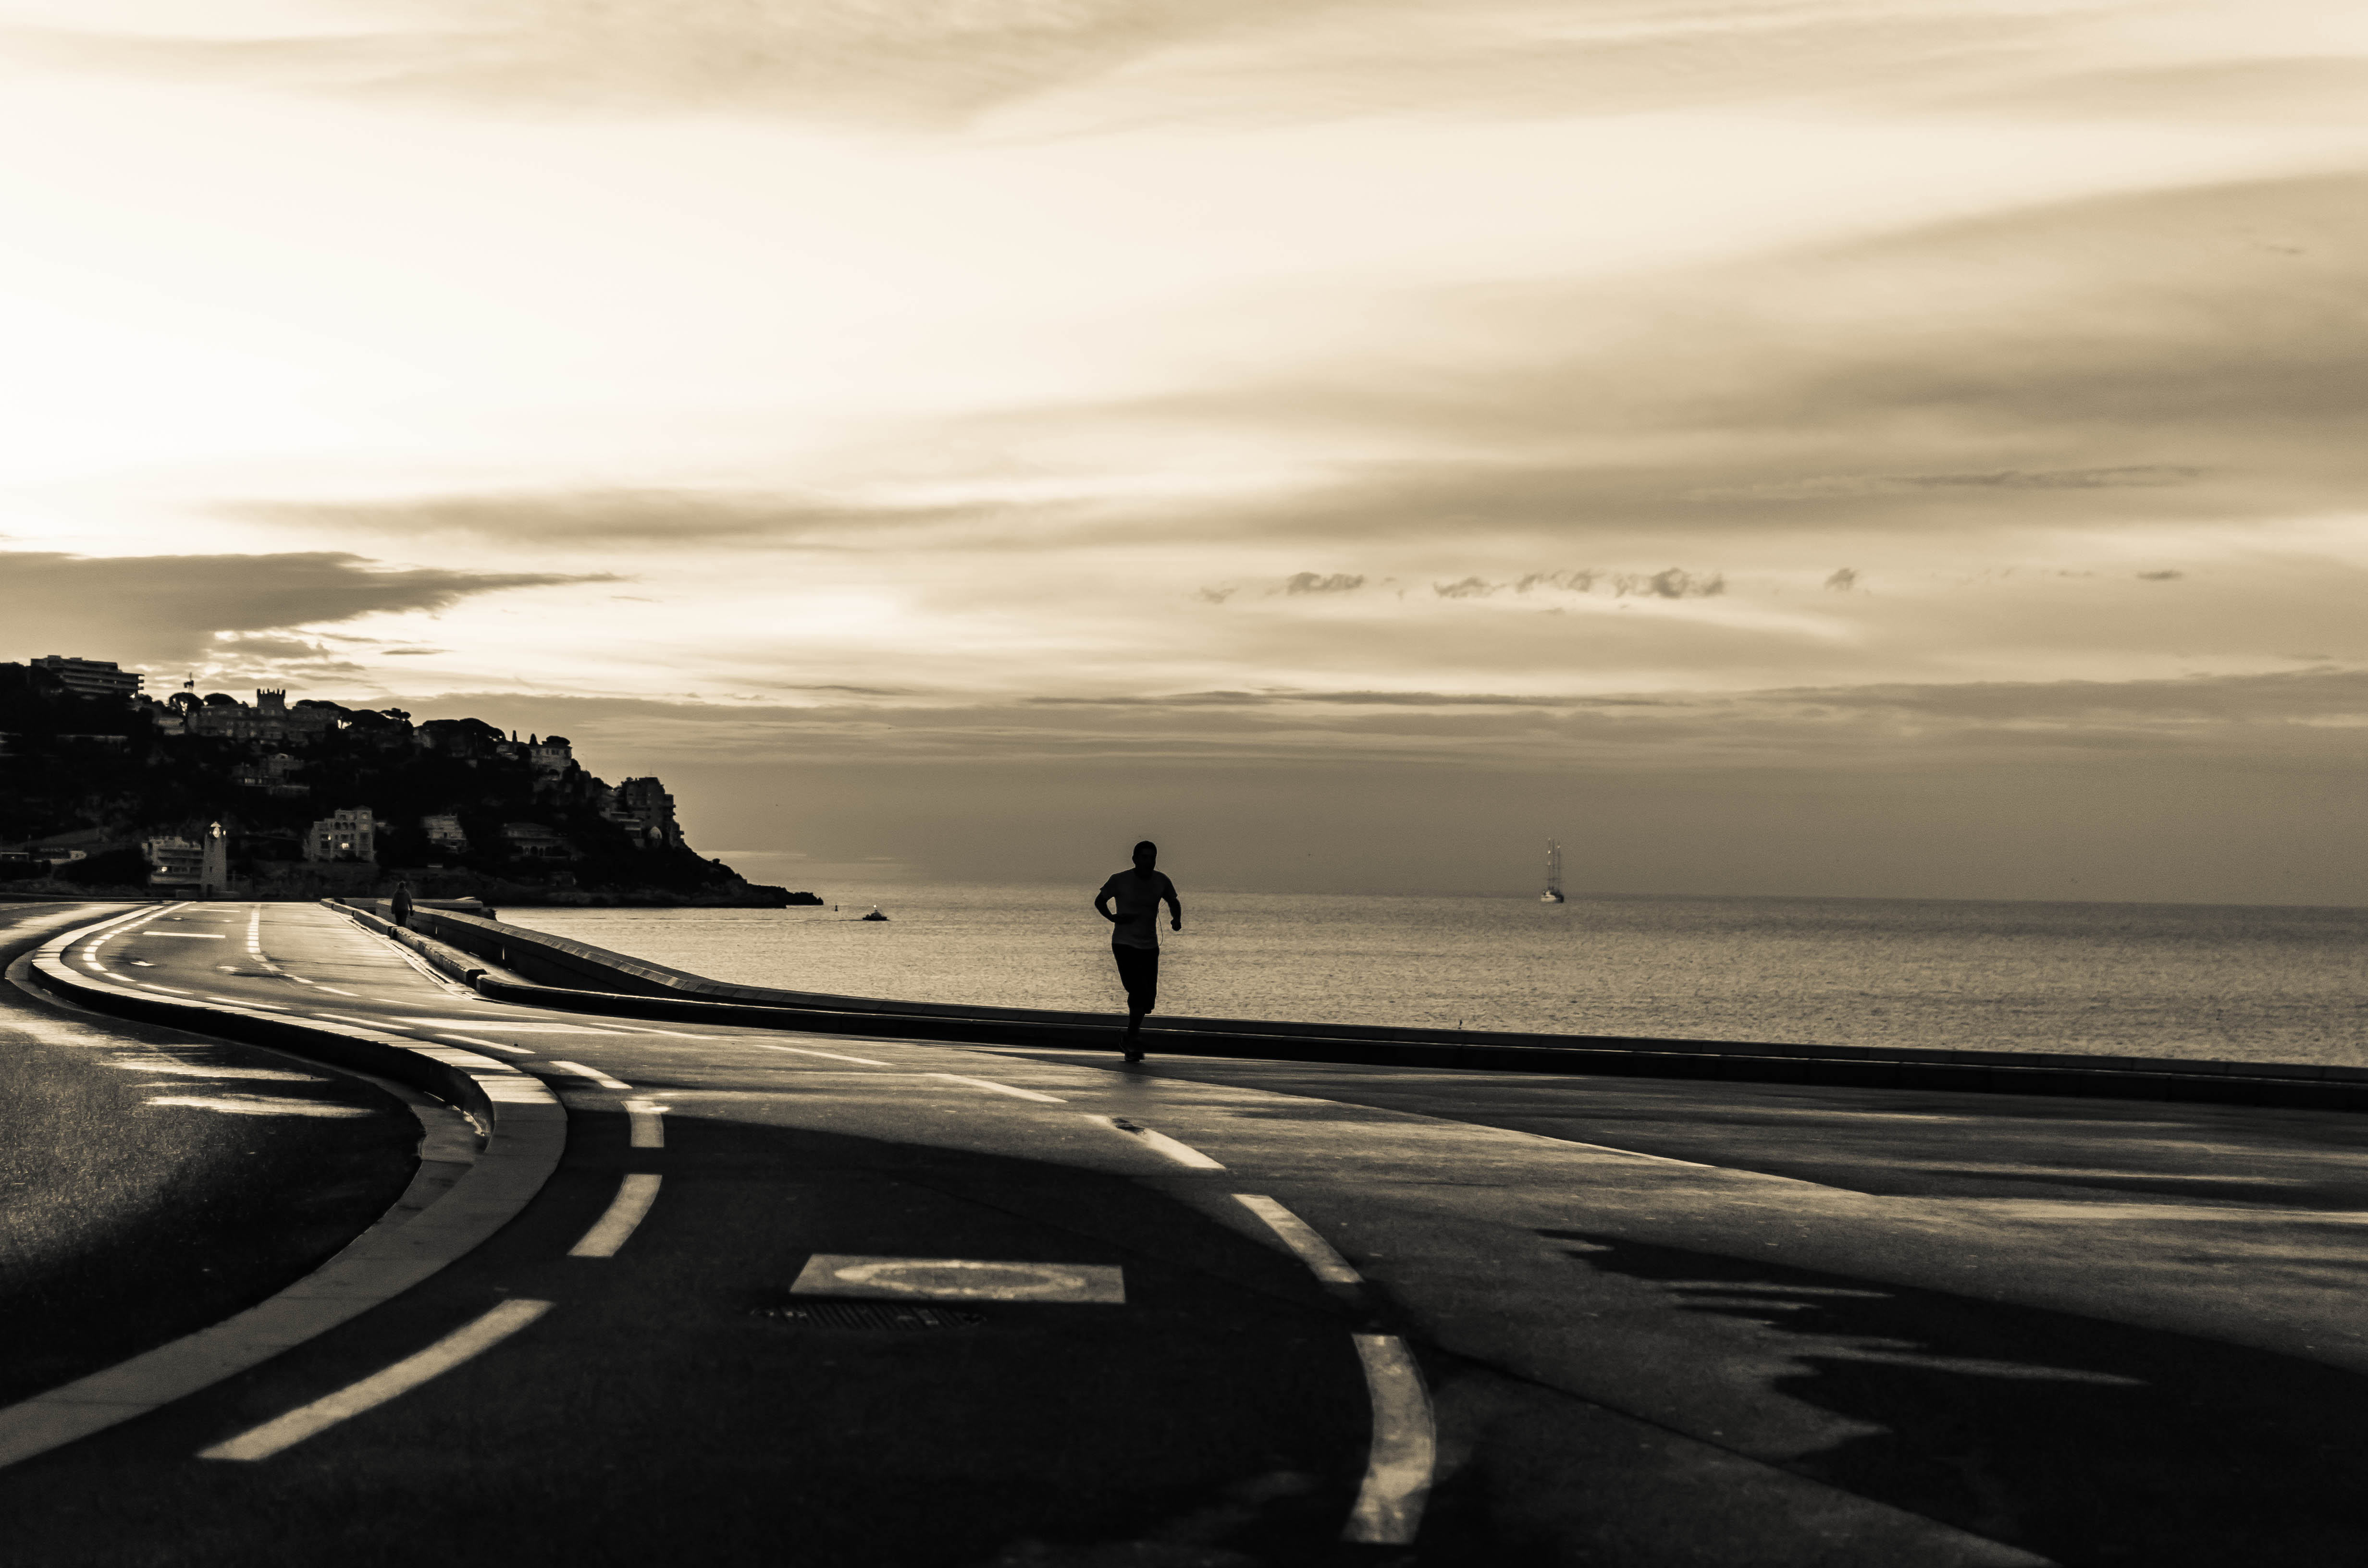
pixel 2085 1441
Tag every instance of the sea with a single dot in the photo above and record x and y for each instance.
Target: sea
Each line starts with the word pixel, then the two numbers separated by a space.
pixel 2238 982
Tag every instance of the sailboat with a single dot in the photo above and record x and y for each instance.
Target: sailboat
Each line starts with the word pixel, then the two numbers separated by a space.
pixel 1554 874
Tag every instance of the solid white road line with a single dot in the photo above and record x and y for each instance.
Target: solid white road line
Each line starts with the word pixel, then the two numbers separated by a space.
pixel 243 1002
pixel 489 1045
pixel 1002 1088
pixel 375 1390
pixel 366 1023
pixel 804 1050
pixel 1300 1237
pixel 318 986
pixel 1406 1446
pixel 634 1196
pixel 594 1073
pixel 1159 1142
pixel 647 1118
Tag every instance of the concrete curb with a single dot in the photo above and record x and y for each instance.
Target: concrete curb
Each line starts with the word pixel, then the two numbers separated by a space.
pixel 641 992
pixel 524 1129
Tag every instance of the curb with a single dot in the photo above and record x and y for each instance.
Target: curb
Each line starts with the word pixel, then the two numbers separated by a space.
pixel 2287 1087
pixel 522 1129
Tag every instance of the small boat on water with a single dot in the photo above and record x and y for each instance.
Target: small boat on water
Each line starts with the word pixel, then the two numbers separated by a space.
pixel 1554 874
pixel 875 914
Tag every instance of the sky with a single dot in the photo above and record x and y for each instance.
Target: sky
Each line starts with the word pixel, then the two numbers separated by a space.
pixel 1854 447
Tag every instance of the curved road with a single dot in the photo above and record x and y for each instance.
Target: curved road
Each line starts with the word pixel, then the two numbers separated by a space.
pixel 1658 1323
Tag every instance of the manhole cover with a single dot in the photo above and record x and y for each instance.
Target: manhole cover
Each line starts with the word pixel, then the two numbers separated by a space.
pixel 958 1279
pixel 871 1314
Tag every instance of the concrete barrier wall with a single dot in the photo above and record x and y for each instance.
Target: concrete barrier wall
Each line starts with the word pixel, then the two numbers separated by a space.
pixel 553 972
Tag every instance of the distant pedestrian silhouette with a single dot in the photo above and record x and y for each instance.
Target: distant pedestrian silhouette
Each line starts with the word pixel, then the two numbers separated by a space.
pixel 1130 900
pixel 402 900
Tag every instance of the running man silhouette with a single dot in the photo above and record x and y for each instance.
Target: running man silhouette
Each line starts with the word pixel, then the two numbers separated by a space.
pixel 1134 934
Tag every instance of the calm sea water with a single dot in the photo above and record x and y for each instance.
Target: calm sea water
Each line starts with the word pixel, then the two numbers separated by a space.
pixel 2147 980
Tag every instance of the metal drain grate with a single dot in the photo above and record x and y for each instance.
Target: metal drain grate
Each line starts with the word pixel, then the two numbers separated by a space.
pixel 871 1314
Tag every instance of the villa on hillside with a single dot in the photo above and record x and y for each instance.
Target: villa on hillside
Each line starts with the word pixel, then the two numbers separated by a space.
pixel 349 834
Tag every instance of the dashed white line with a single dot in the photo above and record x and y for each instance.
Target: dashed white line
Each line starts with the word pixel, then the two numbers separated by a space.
pixel 366 1023
pixel 647 1118
pixel 193 936
pixel 1160 1143
pixel 634 1196
pixel 808 1051
pixel 243 1002
pixel 1001 1088
pixel 594 1073
pixel 318 986
pixel 490 1045
pixel 446 1352
pixel 1299 1236
pixel 1404 1448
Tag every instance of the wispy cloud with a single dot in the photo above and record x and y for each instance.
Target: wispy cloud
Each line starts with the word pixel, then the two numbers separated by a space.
pixel 919 63
pixel 172 609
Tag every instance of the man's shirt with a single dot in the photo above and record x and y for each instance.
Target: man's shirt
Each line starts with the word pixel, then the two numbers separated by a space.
pixel 1136 899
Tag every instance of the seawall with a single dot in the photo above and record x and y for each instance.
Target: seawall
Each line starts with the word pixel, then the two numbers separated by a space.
pixel 557 972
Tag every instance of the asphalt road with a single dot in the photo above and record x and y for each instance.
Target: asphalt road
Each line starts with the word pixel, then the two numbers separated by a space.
pixel 154 1181
pixel 1659 1323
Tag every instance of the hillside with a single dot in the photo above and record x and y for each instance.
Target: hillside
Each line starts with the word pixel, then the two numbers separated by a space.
pixel 454 806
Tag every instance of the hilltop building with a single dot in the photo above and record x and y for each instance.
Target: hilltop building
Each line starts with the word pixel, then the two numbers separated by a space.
pixel 443 834
pixel 550 754
pixel 270 719
pixel 533 841
pixel 349 834
pixel 92 677
pixel 643 807
pixel 202 862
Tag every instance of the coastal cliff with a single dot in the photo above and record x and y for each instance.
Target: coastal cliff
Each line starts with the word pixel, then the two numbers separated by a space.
pixel 114 793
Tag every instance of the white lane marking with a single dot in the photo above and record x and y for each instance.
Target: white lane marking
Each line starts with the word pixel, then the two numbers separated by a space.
pixel 366 1023
pixel 959 1280
pixel 648 1122
pixel 1406 1446
pixel 644 1029
pixel 446 1352
pixel 313 984
pixel 489 1045
pixel 1299 1236
pixel 516 1028
pixel 243 1002
pixel 159 986
pixel 194 935
pixel 634 1196
pixel 808 1051
pixel 1160 1143
pixel 594 1073
pixel 256 1105
pixel 318 986
pixel 1001 1088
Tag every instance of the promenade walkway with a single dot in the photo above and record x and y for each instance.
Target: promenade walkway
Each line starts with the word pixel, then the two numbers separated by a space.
pixel 803 1299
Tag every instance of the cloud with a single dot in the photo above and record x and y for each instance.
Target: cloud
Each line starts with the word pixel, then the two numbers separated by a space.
pixel 1672 583
pixel 169 609
pixel 1826 487
pixel 1311 583
pixel 609 516
pixel 2305 717
pixel 941 63
pixel 2160 576
pixel 1842 581
pixel 2306 90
